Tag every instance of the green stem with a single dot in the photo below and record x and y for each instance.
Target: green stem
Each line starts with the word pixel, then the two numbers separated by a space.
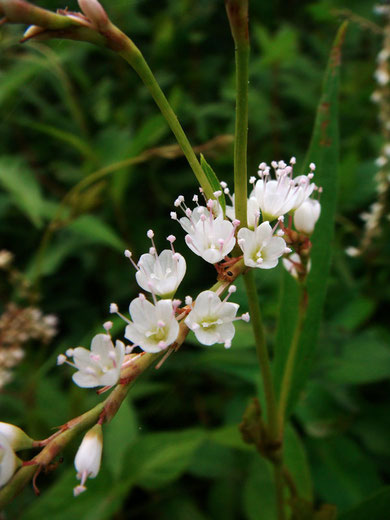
pixel 103 412
pixel 290 363
pixel 262 354
pixel 135 58
pixel 237 11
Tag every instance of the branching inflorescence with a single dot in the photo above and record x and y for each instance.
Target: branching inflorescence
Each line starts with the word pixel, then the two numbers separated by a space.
pixel 281 215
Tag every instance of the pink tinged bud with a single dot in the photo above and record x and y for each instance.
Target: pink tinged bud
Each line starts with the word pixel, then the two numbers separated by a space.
pixel 95 12
pixel 88 457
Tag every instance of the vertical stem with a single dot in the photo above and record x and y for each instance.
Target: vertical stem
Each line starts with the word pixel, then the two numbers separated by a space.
pixel 262 354
pixel 237 11
pixel 135 58
pixel 290 363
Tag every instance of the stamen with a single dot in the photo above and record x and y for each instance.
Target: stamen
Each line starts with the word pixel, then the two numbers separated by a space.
pixel 107 326
pixel 129 255
pixel 61 359
pixel 114 310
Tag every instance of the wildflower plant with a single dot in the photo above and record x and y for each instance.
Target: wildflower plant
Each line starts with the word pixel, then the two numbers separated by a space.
pixel 277 218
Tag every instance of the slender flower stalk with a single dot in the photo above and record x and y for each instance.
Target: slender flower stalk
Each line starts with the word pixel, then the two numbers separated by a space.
pixel 262 353
pixel 135 58
pixel 237 11
pixel 290 363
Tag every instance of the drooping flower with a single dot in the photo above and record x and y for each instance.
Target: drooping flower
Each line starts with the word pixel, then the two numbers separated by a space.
pixel 261 247
pixel 88 457
pixel 99 366
pixel 211 319
pixel 16 437
pixel 9 462
pixel 306 216
pixel 152 327
pixel 208 236
pixel 279 196
pixel 160 274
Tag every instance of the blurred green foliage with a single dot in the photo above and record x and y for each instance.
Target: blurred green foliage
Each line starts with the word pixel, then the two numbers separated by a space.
pixel 68 110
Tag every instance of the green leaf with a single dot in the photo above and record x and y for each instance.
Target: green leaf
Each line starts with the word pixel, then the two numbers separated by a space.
pixel 259 491
pixel 364 359
pixel 376 507
pixel 118 436
pixel 17 178
pixel 296 462
pixel 157 459
pixel 343 473
pixel 96 231
pixel 213 180
pixel 99 502
pixel 324 152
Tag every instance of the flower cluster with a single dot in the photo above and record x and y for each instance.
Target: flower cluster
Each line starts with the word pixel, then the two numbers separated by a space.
pixel 276 193
pixel 374 216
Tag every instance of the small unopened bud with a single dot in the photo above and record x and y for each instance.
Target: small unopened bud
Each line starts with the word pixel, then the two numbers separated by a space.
pixel 9 462
pixel 16 437
pixel 95 12
pixel 88 457
pixel 306 216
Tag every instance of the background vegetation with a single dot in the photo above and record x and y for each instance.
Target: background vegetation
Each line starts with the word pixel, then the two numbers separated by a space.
pixel 68 110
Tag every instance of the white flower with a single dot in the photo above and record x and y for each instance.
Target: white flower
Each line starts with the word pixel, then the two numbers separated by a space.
pixel 211 319
pixel 208 236
pixel 9 462
pixel 382 76
pixel 88 457
pixel 153 327
pixel 279 196
pixel 161 274
pixel 306 216
pixel 252 211
pixel 260 247
pixel 99 366
pixel 293 265
pixel 16 437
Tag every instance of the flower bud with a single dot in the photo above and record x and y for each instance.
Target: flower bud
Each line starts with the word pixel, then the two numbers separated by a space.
pixel 9 462
pixel 16 437
pixel 95 12
pixel 88 457
pixel 306 216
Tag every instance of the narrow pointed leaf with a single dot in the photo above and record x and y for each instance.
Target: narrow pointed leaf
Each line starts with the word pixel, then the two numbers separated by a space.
pixel 213 180
pixel 324 152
